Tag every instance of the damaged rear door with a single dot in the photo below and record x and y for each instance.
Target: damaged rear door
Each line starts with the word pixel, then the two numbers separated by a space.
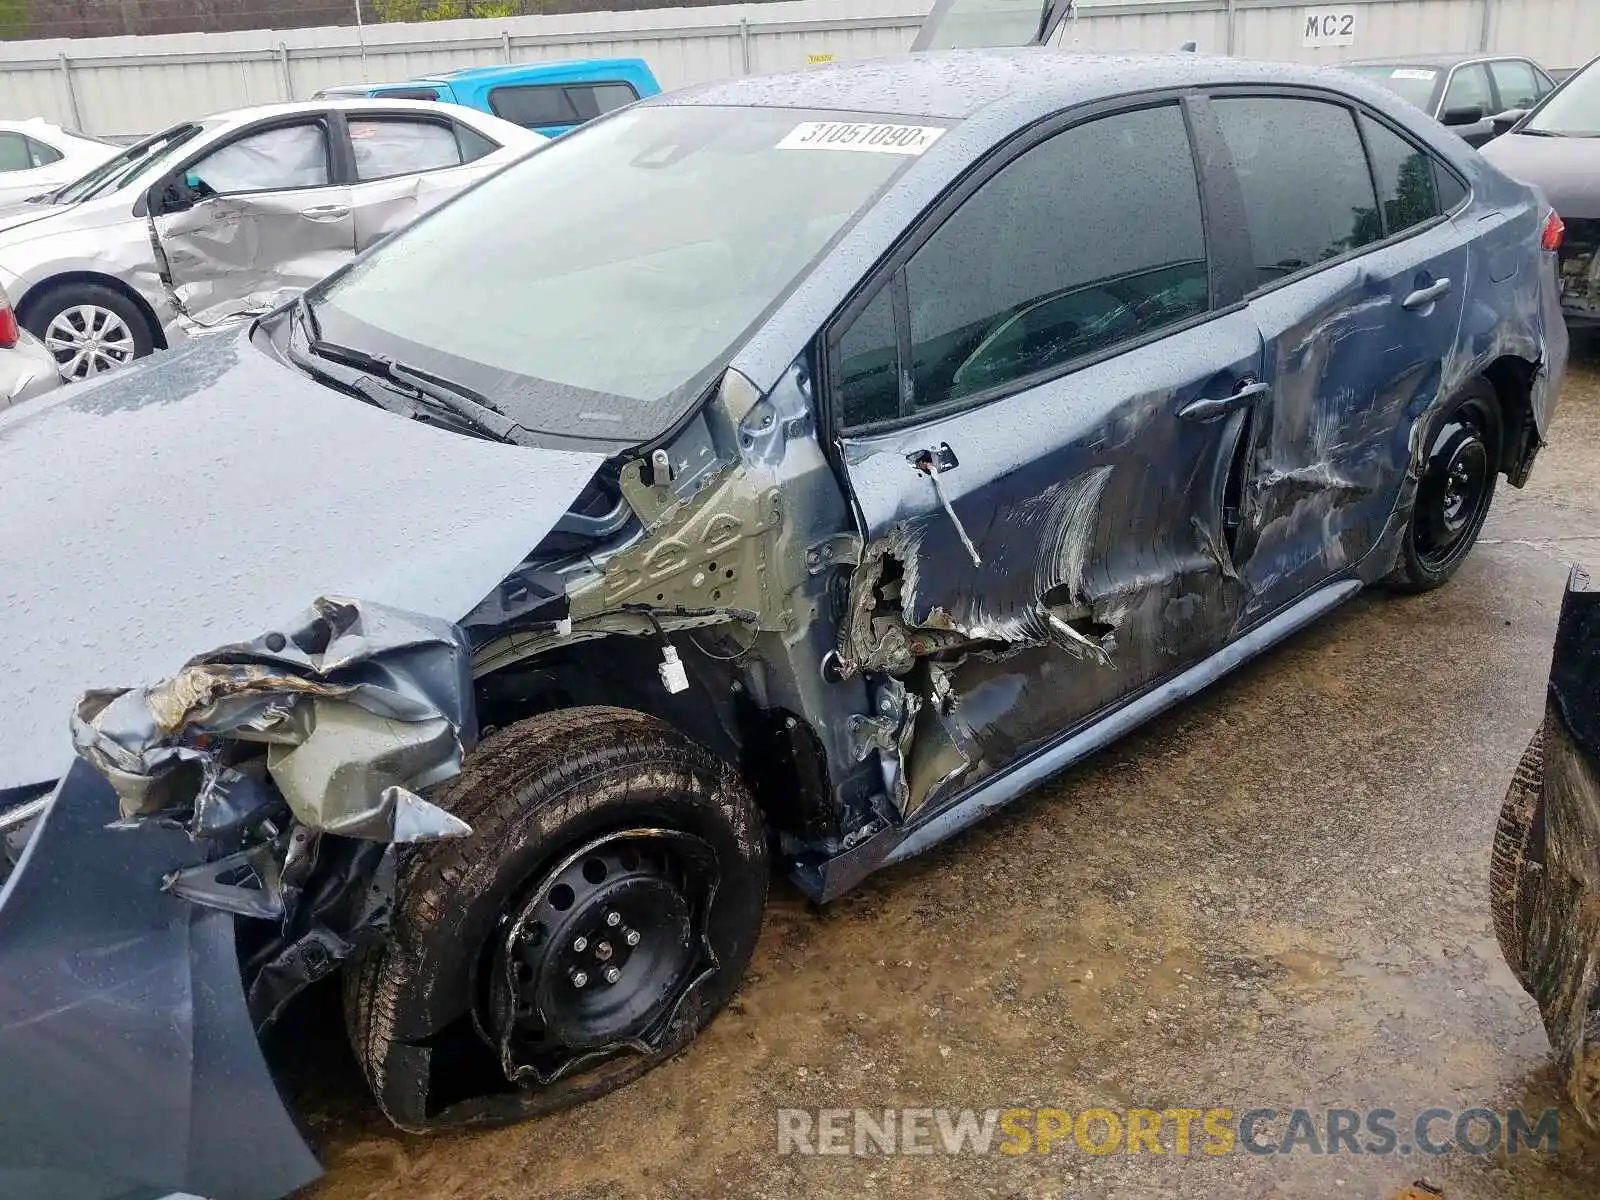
pixel 406 163
pixel 261 215
pixel 1358 280
pixel 1039 401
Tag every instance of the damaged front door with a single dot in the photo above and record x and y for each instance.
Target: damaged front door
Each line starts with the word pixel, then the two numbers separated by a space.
pixel 1039 417
pixel 252 220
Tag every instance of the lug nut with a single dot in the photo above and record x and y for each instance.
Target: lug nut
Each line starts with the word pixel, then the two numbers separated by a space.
pixel 580 944
pixel 580 978
pixel 612 974
pixel 631 937
pixel 613 919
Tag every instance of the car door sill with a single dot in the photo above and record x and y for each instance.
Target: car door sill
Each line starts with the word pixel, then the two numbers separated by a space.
pixel 930 828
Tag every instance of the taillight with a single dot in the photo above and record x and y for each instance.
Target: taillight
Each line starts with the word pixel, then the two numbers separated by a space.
pixel 8 326
pixel 1555 232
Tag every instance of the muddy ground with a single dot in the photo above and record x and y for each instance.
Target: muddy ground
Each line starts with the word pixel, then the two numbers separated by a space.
pixel 1273 897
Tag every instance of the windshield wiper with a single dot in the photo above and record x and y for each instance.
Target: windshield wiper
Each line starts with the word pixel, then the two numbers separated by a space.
pixel 463 404
pixel 1555 133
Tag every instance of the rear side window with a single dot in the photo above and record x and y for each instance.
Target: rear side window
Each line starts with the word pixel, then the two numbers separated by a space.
pixel 1516 82
pixel 1404 175
pixel 41 154
pixel 537 105
pixel 1307 191
pixel 1047 262
pixel 386 146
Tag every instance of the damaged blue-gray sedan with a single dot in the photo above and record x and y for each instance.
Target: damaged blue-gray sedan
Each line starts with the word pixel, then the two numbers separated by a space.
pixel 776 475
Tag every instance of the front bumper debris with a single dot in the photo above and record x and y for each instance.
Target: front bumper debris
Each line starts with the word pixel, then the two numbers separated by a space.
pixel 128 1059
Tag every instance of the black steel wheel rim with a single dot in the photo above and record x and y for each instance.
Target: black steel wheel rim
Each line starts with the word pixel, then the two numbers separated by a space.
pixel 602 951
pixel 1454 495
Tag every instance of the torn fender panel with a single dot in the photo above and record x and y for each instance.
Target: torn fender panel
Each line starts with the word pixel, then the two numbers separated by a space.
pixel 210 495
pixel 358 706
pixel 127 1057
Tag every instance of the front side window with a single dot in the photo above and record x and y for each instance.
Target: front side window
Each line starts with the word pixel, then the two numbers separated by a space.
pixel 386 146
pixel 644 252
pixel 288 156
pixel 537 106
pixel 869 364
pixel 1090 239
pixel 137 161
pixel 1574 111
pixel 1404 175
pixel 1469 88
pixel 1307 191
pixel 1516 82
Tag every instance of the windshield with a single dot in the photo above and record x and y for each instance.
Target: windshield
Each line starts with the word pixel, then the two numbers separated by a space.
pixel 1573 110
pixel 979 24
pixel 1414 85
pixel 122 168
pixel 592 288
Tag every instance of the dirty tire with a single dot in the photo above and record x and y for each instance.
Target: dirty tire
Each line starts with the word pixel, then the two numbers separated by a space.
pixel 1517 848
pixel 1424 565
pixel 534 792
pixel 41 311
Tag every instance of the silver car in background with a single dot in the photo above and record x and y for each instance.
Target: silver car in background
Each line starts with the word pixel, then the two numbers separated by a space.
pixel 213 220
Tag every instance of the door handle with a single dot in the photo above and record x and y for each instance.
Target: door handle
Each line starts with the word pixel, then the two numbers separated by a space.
pixel 1423 297
pixel 326 212
pixel 1209 408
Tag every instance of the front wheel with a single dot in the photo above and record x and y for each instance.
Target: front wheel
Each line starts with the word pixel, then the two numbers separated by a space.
pixel 1455 491
pixel 89 328
pixel 602 912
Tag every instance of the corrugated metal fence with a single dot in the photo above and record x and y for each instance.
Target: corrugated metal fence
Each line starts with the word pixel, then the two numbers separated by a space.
pixel 128 85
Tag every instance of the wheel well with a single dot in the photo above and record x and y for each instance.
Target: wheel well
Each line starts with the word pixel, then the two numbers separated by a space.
pixel 37 294
pixel 776 752
pixel 1512 379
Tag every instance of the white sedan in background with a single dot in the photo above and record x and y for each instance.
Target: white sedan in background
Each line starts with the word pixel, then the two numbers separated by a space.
pixel 36 156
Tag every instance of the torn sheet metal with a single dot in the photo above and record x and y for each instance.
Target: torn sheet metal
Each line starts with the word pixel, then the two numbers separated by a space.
pixel 122 1013
pixel 358 707
pixel 210 495
pixel 1545 876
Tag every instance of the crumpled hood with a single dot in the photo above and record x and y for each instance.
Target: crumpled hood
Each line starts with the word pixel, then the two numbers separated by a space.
pixel 1566 170
pixel 205 495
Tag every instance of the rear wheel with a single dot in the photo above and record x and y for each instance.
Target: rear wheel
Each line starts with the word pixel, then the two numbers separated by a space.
pixel 602 912
pixel 1518 854
pixel 89 328
pixel 1455 491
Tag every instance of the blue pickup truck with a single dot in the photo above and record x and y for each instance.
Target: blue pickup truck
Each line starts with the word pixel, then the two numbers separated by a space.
pixel 547 97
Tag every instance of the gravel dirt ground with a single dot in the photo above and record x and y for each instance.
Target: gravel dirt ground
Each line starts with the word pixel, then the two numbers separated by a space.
pixel 1273 897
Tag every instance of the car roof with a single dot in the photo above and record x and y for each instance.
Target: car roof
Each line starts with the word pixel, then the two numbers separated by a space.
pixel 1431 60
pixel 243 116
pixel 955 84
pixel 558 66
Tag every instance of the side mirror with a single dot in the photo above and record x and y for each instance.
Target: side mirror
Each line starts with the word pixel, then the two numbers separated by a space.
pixel 178 194
pixel 1463 114
pixel 1504 121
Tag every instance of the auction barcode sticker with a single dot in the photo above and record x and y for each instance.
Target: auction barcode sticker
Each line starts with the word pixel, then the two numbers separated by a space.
pixel 871 136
